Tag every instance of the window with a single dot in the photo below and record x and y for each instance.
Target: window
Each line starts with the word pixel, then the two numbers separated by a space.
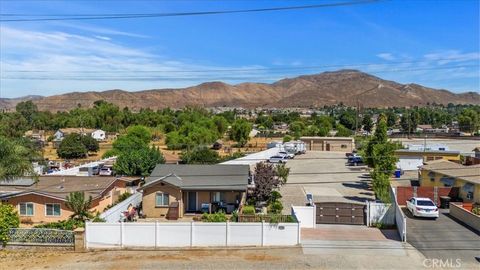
pixel 432 176
pixel 162 199
pixel 343 146
pixel 218 196
pixel 52 209
pixel 26 209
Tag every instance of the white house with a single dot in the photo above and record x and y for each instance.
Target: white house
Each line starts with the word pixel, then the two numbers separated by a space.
pixel 61 133
pixel 98 135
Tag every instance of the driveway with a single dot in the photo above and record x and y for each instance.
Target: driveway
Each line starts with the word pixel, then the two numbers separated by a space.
pixel 325 175
pixel 360 244
pixel 444 239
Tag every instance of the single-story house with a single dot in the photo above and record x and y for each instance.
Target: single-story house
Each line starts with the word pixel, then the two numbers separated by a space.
pixel 341 144
pixel 61 133
pixel 175 190
pixel 443 173
pixel 99 135
pixel 111 136
pixel 38 135
pixel 413 159
pixel 44 200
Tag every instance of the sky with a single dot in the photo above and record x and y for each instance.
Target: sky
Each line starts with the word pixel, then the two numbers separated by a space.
pixel 433 43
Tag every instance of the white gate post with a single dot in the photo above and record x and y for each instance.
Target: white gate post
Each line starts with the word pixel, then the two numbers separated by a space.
pixel 227 232
pixel 314 215
pixel 156 233
pixel 263 233
pixel 191 233
pixel 86 235
pixel 298 233
pixel 121 234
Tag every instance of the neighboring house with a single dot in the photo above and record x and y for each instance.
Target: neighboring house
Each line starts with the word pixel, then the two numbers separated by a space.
pixel 342 144
pixel 443 173
pixel 99 135
pixel 38 135
pixel 61 133
pixel 174 190
pixel 469 160
pixel 111 136
pixel 44 200
pixel 413 159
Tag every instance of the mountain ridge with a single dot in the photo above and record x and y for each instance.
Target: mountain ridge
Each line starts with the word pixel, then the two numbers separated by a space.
pixel 350 87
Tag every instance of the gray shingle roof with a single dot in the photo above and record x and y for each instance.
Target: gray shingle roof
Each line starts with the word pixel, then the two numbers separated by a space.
pixel 201 177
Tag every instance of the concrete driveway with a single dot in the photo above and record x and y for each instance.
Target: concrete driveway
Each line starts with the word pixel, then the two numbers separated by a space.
pixel 325 175
pixel 444 239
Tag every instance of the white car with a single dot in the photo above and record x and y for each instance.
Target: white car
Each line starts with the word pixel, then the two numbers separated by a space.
pixel 277 159
pixel 286 154
pixel 105 171
pixel 422 207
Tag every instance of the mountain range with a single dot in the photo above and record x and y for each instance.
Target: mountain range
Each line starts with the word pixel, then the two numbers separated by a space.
pixel 350 87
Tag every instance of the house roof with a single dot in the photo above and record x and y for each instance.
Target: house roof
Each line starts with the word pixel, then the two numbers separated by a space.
pixel 425 126
pixel 201 177
pixel 351 139
pixel 421 152
pixel 76 130
pixel 60 186
pixel 468 173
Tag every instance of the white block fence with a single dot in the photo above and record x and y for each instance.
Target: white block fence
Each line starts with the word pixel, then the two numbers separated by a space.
pixel 189 234
pixel 306 215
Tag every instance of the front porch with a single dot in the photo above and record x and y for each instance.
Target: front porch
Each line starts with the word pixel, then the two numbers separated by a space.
pixel 195 202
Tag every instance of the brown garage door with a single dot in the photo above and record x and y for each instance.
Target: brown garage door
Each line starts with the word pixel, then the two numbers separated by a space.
pixel 340 213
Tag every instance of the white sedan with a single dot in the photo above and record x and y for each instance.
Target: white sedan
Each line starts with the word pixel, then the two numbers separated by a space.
pixel 422 207
pixel 277 159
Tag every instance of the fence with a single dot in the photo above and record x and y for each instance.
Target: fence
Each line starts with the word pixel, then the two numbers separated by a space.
pixel 380 213
pixel 190 234
pixel 400 219
pixel 113 214
pixel 465 216
pixel 434 193
pixel 40 236
pixel 306 215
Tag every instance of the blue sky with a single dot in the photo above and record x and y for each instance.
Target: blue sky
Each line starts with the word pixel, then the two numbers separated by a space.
pixel 434 43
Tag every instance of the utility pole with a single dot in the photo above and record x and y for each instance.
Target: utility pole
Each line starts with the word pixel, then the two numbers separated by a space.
pixel 358 103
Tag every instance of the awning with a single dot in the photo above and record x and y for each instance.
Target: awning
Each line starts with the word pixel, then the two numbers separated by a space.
pixel 448 181
pixel 468 187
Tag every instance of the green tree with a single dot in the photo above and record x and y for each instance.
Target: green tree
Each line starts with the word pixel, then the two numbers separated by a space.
pixel 297 128
pixel 240 131
pixel 72 146
pixel 200 155
pixel 14 159
pixel 367 122
pixel 90 143
pixel 138 162
pixel 79 205
pixel 28 109
pixel 343 131
pixel 287 138
pixel 8 219
pixel 391 118
pixel 347 119
pixel 140 132
pixel 409 121
pixel 469 121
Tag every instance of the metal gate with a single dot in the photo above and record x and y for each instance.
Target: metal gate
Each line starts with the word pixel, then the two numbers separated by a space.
pixel 340 213
pixel 40 236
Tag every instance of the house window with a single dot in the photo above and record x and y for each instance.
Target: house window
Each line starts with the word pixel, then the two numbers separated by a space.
pixel 52 209
pixel 431 175
pixel 162 199
pixel 344 146
pixel 217 197
pixel 26 209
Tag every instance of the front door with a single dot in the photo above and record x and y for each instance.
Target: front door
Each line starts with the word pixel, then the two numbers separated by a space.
pixel 192 201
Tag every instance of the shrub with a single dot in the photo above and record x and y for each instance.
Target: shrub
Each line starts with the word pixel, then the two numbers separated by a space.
pixel 215 217
pixel 8 219
pixel 69 224
pixel 275 207
pixel 27 221
pixel 248 210
pixel 476 211
pixel 287 138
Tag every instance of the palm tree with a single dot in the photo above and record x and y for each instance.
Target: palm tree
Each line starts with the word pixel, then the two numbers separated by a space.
pixel 14 160
pixel 79 206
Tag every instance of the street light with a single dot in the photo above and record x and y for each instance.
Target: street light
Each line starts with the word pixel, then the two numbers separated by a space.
pixel 380 85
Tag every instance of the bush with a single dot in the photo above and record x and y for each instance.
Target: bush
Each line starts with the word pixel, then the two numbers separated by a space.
pixel 215 217
pixel 69 224
pixel 8 219
pixel 476 210
pixel 287 138
pixel 248 210
pixel 275 207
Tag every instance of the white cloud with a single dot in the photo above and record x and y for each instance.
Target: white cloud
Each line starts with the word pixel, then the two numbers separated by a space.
pixel 49 62
pixel 452 56
pixel 386 56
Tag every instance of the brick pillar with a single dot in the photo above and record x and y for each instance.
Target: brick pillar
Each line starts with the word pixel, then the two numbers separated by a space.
pixel 79 239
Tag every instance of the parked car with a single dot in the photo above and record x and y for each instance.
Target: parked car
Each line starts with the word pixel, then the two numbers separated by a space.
pixel 355 160
pixel 349 154
pixel 422 207
pixel 277 159
pixel 286 154
pixel 106 171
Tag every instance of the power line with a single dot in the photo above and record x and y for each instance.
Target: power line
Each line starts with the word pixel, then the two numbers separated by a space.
pixel 232 78
pixel 70 17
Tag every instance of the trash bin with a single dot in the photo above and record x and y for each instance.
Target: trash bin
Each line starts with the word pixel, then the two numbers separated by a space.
pixel 445 202
pixel 398 173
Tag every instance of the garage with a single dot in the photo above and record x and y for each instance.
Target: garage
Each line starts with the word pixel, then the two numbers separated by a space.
pixel 340 213
pixel 409 163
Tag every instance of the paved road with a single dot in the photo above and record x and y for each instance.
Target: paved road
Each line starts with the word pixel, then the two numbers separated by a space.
pixel 444 238
pixel 325 175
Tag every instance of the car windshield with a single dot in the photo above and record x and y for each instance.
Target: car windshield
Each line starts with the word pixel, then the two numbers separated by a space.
pixel 425 203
